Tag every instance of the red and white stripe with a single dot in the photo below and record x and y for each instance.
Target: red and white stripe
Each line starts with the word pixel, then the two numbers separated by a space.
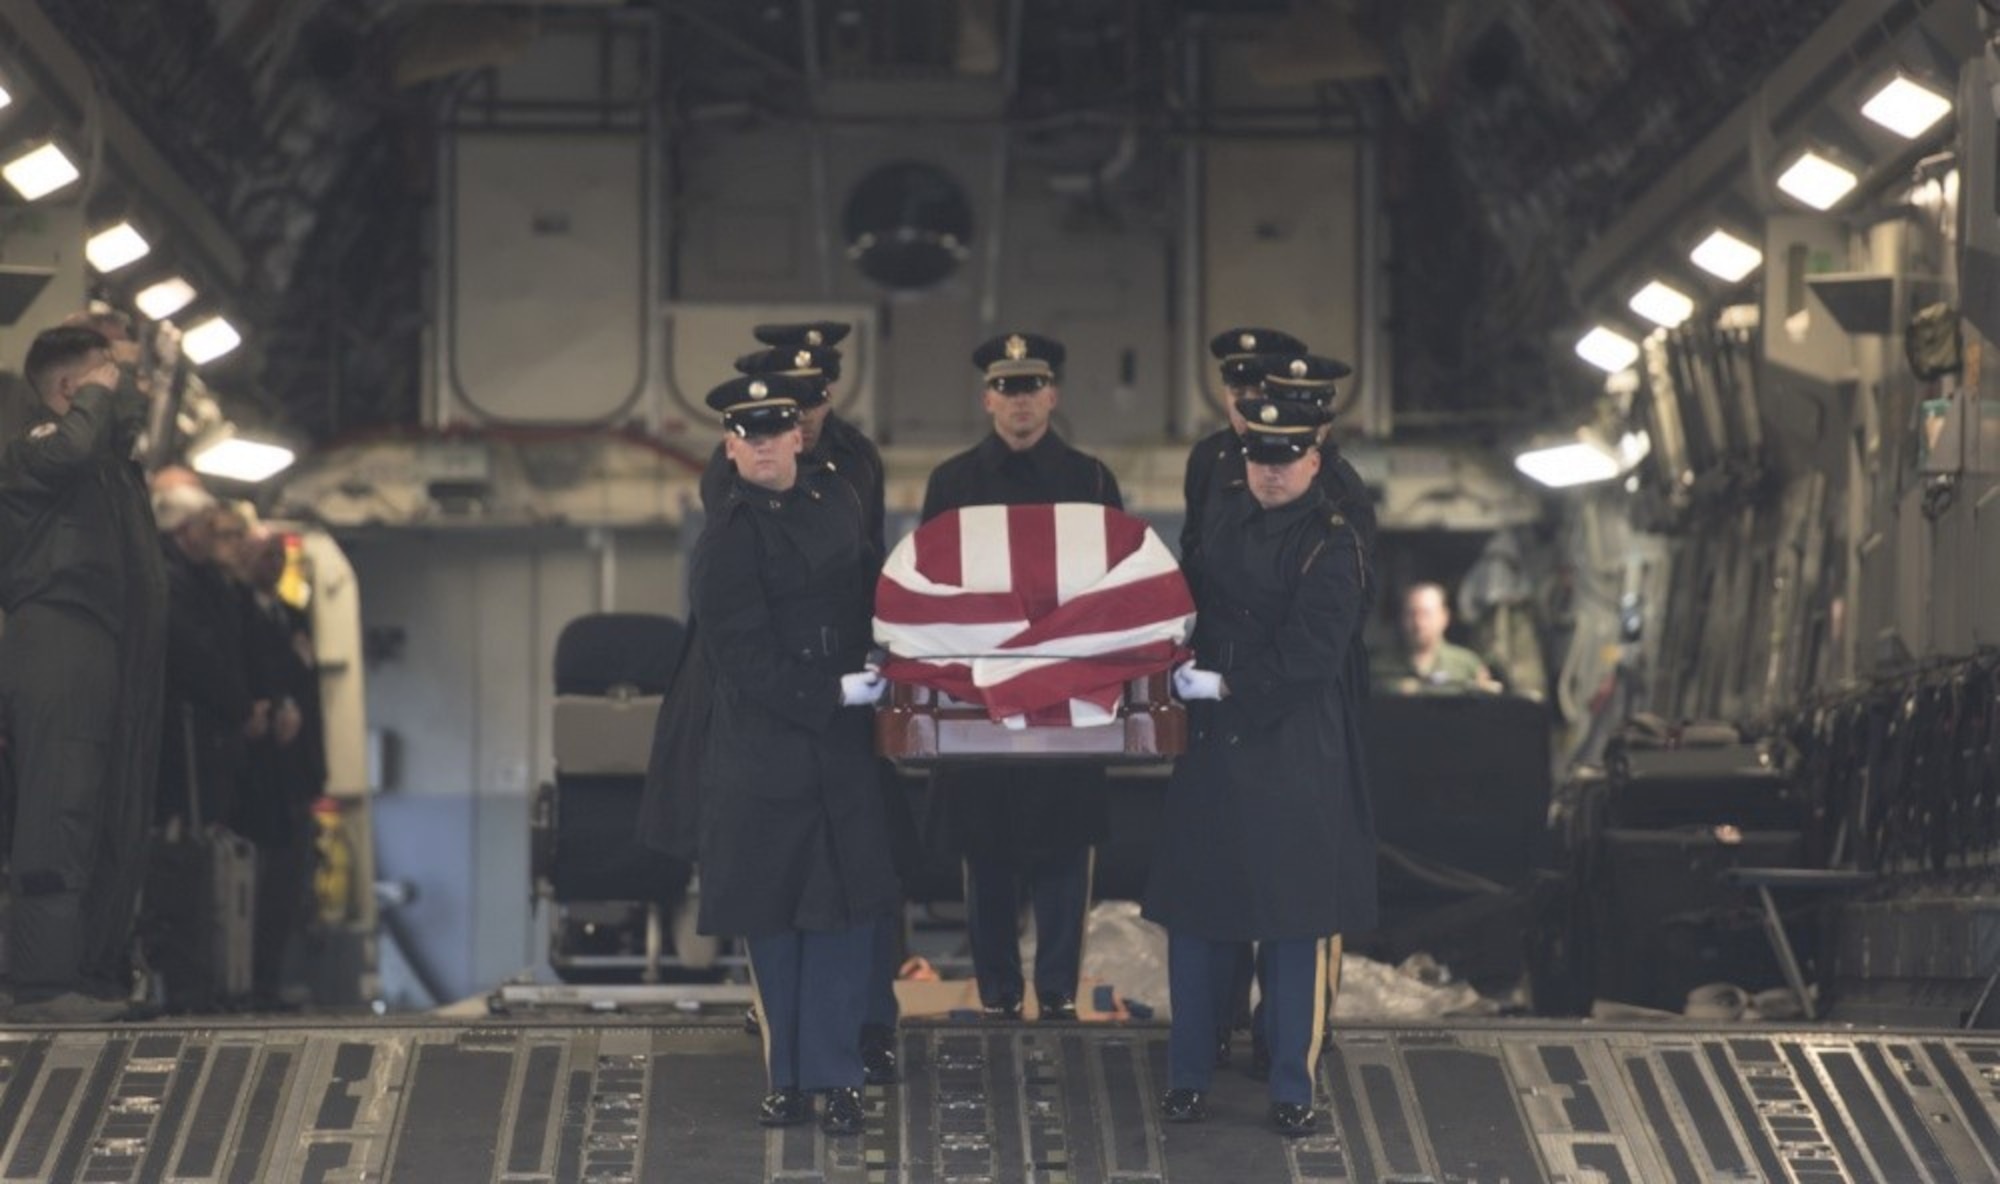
pixel 1040 613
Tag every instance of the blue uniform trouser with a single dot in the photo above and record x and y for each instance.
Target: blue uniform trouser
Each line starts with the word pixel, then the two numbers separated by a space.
pixel 886 943
pixel 812 992
pixel 1299 980
pixel 1059 885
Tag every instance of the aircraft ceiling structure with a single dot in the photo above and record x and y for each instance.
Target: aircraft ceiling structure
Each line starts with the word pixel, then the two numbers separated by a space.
pixel 1512 131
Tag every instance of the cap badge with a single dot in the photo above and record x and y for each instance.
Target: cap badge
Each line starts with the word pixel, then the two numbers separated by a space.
pixel 758 390
pixel 1017 348
pixel 803 359
pixel 814 337
pixel 1299 367
pixel 1269 414
pixel 1248 341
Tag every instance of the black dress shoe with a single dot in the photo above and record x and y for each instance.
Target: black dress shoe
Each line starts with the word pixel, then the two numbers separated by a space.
pixel 1183 1105
pixel 752 1026
pixel 1006 1009
pixel 1056 1007
pixel 1293 1119
pixel 1260 1060
pixel 878 1054
pixel 784 1107
pixel 841 1115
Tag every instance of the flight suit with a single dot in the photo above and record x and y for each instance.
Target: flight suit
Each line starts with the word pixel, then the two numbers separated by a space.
pixel 1013 828
pixel 793 846
pixel 80 673
pixel 1268 834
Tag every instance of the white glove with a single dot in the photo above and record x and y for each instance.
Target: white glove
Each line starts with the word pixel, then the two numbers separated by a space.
pixel 862 688
pixel 1190 683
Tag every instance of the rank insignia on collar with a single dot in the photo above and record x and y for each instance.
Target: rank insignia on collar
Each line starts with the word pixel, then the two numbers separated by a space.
pixel 42 430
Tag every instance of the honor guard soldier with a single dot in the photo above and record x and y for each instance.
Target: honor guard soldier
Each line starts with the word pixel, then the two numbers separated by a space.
pixel 81 676
pixel 1268 835
pixel 1021 831
pixel 1305 378
pixel 806 352
pixel 1239 352
pixel 794 849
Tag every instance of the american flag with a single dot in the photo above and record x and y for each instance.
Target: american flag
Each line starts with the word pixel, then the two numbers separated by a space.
pixel 1038 613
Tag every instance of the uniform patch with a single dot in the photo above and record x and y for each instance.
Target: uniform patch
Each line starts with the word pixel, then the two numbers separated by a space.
pixel 42 430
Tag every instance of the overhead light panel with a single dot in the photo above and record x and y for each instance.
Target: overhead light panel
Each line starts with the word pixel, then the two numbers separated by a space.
pixel 1607 350
pixel 1563 465
pixel 1906 107
pixel 1726 257
pixel 164 299
pixel 1817 181
pixel 1664 306
pixel 210 340
pixel 39 171
pixel 236 459
pixel 115 247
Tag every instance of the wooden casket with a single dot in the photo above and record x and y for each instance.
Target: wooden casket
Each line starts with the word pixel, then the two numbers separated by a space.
pixel 918 727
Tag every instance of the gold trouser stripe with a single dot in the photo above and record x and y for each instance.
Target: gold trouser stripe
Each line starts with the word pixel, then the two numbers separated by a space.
pixel 763 1024
pixel 1326 981
pixel 1083 922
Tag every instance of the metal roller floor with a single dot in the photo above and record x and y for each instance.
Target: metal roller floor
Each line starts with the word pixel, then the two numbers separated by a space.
pixel 438 1102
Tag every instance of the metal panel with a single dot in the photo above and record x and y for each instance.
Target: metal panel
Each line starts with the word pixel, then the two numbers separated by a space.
pixel 1799 331
pixel 41 239
pixel 627 1101
pixel 1282 255
pixel 547 279
pixel 1103 291
pixel 1984 581
pixel 1914 546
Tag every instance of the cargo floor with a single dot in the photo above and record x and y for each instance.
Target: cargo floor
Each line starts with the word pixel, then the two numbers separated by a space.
pixel 597 1102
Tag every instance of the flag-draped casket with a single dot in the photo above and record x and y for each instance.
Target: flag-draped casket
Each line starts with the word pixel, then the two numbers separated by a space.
pixel 1031 631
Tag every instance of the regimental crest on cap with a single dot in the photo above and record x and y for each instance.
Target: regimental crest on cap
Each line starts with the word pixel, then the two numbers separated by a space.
pixel 758 390
pixel 1249 342
pixel 1269 414
pixel 814 337
pixel 803 359
pixel 1017 348
pixel 1299 368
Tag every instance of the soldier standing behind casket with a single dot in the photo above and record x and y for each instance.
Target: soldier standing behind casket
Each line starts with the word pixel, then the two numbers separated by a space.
pixel 1265 840
pixel 1016 828
pixel 794 849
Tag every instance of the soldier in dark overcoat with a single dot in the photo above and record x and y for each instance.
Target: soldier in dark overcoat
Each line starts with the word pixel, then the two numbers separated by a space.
pixel 804 351
pixel 1023 833
pixel 794 849
pixel 1269 835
